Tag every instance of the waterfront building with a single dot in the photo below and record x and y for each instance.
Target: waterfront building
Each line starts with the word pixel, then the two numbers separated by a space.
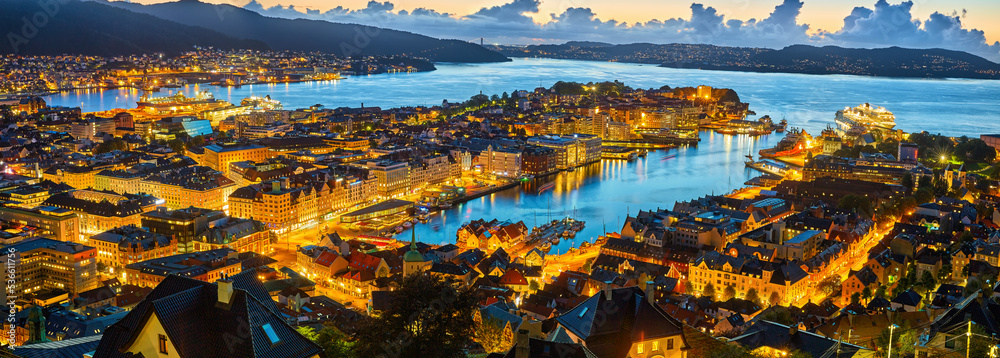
pixel 196 186
pixel 538 160
pixel 218 156
pixel 566 149
pixel 46 264
pixel 778 283
pixel 126 245
pixel 181 225
pixel 500 161
pixel 842 168
pixel 57 223
pixel 100 211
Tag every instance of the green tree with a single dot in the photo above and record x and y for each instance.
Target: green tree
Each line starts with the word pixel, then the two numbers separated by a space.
pixel 774 299
pixel 866 294
pixel 945 272
pixel 859 203
pixel 709 291
pixel 176 145
pixel 111 145
pixel 928 282
pixel 194 142
pixel 778 314
pixel 492 335
pixel 307 332
pixel 335 343
pixel 533 286
pixel 429 317
pixel 728 293
pixel 752 296
pixel 907 183
pixel 855 298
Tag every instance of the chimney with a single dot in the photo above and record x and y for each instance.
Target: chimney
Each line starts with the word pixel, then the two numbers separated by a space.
pixel 650 293
pixel 792 330
pixel 607 291
pixel 225 290
pixel 523 348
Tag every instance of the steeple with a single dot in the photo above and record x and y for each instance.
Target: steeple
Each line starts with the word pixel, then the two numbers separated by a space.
pixel 36 325
pixel 413 255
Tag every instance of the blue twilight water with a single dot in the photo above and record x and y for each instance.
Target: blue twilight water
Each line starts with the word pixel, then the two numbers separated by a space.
pixel 606 191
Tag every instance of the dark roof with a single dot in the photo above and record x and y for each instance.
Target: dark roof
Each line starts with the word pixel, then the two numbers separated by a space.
pixel 778 336
pixel 908 298
pixel 610 323
pixel 199 326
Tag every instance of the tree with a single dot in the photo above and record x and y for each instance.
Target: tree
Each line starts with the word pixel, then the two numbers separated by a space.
pixel 533 286
pixel 907 183
pixel 176 145
pixel 855 298
pixel 429 317
pixel 307 332
pixel 728 293
pixel 866 293
pixel 859 203
pixel 195 142
pixel 927 281
pixel 924 182
pixel 111 145
pixel 709 291
pixel 335 343
pixel 830 286
pixel 945 272
pixel 752 296
pixel 778 314
pixel 924 195
pixel 774 299
pixel 491 333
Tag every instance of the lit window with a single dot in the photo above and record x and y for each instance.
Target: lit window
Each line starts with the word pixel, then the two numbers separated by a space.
pixel 163 344
pixel 656 346
pixel 639 348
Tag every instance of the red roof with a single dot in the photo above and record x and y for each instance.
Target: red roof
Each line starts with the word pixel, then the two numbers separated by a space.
pixel 326 258
pixel 513 278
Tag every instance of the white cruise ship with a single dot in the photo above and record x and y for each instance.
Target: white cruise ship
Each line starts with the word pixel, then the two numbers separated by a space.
pixel 864 118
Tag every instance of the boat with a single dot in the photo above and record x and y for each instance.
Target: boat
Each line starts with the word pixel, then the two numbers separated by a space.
pixel 444 205
pixel 672 156
pixel 864 118
pixel 399 229
pixel 407 225
pixel 584 245
pixel 545 247
pixel 555 240
pixel 780 128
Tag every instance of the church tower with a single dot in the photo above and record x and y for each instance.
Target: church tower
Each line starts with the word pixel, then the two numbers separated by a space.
pixel 413 260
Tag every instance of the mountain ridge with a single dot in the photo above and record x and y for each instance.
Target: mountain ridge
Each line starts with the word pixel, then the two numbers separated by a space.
pixel 314 35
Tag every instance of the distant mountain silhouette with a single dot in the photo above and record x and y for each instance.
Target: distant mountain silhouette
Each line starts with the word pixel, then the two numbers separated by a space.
pixel 890 62
pixel 89 28
pixel 315 35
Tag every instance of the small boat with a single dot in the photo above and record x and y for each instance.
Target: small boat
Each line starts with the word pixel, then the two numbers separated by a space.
pixel 666 158
pixel 445 206
pixel 584 245
pixel 436 227
pixel 407 225
pixel 555 240
pixel 546 247
pixel 399 229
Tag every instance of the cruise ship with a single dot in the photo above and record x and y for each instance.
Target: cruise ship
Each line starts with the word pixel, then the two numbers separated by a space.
pixel 864 118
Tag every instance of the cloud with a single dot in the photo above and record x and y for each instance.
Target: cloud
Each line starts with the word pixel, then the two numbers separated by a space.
pixel 513 22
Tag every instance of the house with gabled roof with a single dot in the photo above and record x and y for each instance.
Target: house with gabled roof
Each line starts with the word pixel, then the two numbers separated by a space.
pixel 619 323
pixel 233 317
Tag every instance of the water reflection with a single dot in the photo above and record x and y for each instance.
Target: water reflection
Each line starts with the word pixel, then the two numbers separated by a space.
pixel 603 193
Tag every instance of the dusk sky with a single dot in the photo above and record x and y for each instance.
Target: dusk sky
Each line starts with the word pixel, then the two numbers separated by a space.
pixel 967 25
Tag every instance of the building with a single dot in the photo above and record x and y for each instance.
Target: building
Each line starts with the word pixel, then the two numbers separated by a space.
pixel 279 206
pixel 172 127
pixel 641 328
pixel 89 128
pixel 393 178
pixel 776 283
pixel 500 161
pixel 182 225
pixel 538 160
pixel 100 211
pixel 233 317
pixel 219 156
pixel 42 264
pixel 126 245
pixel 58 223
pixel 205 266
pixel 413 261
pixel 566 149
pixel 788 243
pixel 196 186
pixel 242 235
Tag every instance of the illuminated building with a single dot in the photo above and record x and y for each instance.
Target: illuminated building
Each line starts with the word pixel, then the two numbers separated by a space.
pixel 50 264
pixel 89 128
pixel 219 156
pixel 242 235
pixel 504 162
pixel 183 225
pixel 63 224
pixel 196 186
pixel 785 283
pixel 101 211
pixel 281 208
pixel 126 245
pixel 204 266
pixel 393 178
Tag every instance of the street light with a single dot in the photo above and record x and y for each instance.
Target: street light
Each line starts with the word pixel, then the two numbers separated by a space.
pixel 891 328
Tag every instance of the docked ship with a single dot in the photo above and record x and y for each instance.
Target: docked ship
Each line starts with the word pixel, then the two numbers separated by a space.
pixel 265 103
pixel 178 104
pixel 864 118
